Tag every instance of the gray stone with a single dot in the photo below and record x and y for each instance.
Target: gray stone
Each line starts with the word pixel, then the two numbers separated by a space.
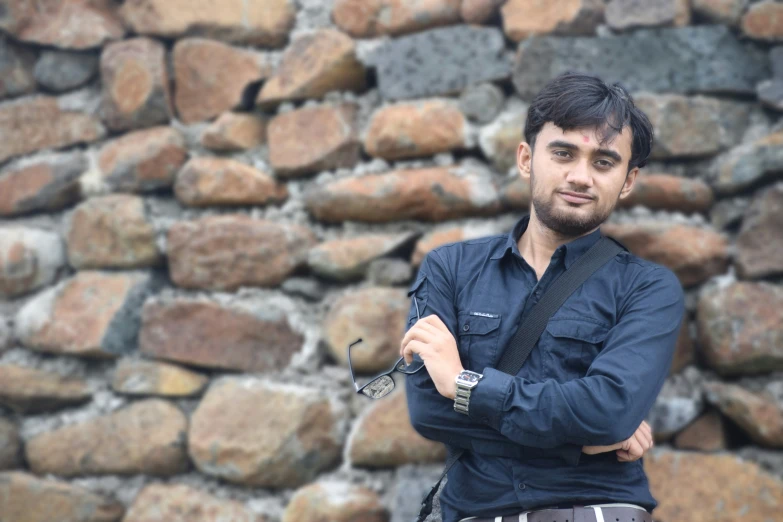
pixel 389 272
pixel 679 403
pixel 16 66
pixel 310 289
pixel 707 59
pixel 776 61
pixel 768 459
pixel 6 337
pixel 626 14
pixel 439 61
pixel 412 485
pixel 481 103
pixel 728 213
pixel 770 93
pixel 64 70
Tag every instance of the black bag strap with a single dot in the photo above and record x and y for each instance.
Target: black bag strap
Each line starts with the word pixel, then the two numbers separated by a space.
pixel 531 328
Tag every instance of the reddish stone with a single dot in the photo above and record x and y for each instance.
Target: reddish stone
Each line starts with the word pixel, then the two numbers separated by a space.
pixel 524 18
pixel 135 80
pixel 666 192
pixel 234 131
pixel 370 18
pixel 764 21
pixel 47 184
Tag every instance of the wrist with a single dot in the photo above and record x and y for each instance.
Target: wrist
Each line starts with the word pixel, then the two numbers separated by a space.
pixel 451 392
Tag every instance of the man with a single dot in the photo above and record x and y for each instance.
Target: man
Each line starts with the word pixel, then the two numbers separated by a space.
pixel 603 358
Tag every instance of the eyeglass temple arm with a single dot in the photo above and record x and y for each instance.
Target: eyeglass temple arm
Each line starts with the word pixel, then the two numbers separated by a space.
pixel 350 367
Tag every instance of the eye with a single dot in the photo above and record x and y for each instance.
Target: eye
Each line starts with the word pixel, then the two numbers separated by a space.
pixel 604 164
pixel 562 153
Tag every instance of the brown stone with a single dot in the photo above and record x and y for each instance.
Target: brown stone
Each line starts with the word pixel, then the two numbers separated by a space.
pixel 313 139
pixel 667 192
pixel 757 414
pixel 16 69
pixel 707 433
pixel 450 234
pixel 233 131
pixel 684 126
pixel 135 80
pixel 374 314
pixel 760 240
pixel 229 251
pixel 764 21
pixel 479 11
pixel 112 231
pixel 335 502
pixel 684 351
pixel 349 259
pixel 181 503
pixel 145 437
pixel 685 492
pixel 142 161
pixel 300 436
pixel 142 377
pixel 72 24
pixel 694 254
pixel 429 194
pixel 383 437
pixel 410 130
pixel 93 314
pixel 741 328
pixel 749 164
pixel 261 22
pixel 515 194
pixel 214 336
pixel 209 181
pixel 200 67
pixel 313 65
pixel 29 259
pixel 46 184
pixel 10 447
pixel 27 390
pixel 371 18
pixel 721 11
pixel 628 14
pixel 27 498
pixel 500 139
pixel 524 18
pixel 37 122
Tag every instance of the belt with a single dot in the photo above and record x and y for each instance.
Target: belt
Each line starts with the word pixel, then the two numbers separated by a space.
pixel 595 513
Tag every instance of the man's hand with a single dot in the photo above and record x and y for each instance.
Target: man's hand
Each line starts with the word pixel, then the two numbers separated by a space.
pixel 629 450
pixel 432 340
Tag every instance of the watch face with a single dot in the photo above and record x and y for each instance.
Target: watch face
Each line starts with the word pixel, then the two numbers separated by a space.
pixel 469 377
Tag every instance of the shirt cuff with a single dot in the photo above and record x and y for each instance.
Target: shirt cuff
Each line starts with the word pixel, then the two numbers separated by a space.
pixel 487 398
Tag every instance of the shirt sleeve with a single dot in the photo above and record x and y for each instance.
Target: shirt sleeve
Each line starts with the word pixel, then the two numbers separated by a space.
pixel 431 414
pixel 618 391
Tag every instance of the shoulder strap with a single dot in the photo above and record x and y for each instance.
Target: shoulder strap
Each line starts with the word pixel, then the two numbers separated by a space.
pixel 533 326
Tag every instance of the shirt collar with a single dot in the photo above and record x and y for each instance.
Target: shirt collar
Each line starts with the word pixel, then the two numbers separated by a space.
pixel 573 249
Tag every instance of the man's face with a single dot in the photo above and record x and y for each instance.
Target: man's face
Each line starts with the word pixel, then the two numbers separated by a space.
pixel 575 181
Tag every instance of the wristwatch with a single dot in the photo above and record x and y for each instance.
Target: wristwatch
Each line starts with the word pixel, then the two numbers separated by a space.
pixel 466 381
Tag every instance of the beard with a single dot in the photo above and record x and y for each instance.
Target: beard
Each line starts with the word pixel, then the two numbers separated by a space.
pixel 565 224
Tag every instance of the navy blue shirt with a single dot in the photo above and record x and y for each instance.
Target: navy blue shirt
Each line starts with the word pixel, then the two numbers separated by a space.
pixel 590 381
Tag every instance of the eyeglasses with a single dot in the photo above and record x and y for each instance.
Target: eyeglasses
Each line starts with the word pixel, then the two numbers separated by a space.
pixel 382 384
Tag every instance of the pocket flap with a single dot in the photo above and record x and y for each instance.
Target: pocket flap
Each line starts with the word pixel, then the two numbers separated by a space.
pixel 470 324
pixel 578 329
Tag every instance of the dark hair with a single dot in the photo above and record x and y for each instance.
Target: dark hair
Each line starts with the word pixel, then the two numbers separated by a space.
pixel 575 100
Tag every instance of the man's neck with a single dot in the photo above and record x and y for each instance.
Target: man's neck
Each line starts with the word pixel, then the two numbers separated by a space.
pixel 538 243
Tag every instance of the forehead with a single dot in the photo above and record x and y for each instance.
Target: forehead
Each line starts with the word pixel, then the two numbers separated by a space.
pixel 588 138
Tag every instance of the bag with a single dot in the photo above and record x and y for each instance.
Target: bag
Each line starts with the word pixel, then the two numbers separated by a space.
pixel 531 328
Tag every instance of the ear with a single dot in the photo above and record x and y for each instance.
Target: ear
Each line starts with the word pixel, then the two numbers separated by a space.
pixel 524 160
pixel 630 181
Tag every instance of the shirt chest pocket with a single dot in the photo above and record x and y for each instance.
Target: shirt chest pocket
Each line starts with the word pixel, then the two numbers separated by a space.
pixel 478 334
pixel 570 345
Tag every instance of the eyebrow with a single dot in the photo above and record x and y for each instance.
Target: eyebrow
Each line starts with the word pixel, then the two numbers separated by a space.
pixel 570 146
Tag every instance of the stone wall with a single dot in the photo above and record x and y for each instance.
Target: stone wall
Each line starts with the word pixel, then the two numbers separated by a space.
pixel 202 203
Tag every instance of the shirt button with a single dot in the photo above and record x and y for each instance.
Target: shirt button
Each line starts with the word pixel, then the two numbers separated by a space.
pixel 522 486
pixel 465 328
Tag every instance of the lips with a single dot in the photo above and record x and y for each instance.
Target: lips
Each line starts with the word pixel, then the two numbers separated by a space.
pixel 574 197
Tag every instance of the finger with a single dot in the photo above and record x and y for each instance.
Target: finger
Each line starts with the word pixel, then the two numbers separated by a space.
pixel 645 440
pixel 635 449
pixel 622 455
pixel 435 321
pixel 415 332
pixel 414 347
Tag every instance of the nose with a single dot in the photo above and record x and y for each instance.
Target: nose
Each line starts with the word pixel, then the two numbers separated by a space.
pixel 579 175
